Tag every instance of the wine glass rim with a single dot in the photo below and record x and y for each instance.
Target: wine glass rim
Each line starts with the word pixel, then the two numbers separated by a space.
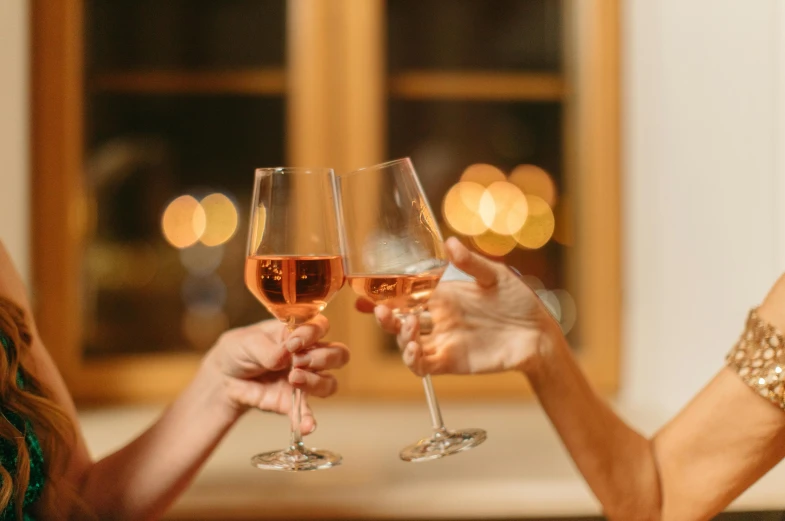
pixel 294 170
pixel 401 160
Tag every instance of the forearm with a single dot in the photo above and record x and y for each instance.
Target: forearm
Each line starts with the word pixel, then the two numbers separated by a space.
pixel 617 462
pixel 141 480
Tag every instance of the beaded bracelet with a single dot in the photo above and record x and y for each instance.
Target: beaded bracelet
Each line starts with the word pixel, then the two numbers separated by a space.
pixel 759 359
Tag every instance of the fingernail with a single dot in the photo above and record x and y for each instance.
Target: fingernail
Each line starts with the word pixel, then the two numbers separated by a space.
pixel 301 360
pixel 313 429
pixel 297 378
pixel 293 344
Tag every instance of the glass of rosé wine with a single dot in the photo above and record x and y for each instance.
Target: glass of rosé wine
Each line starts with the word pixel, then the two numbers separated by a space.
pixel 294 267
pixel 394 256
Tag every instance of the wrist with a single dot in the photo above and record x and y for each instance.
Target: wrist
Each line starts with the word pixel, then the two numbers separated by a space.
pixel 539 341
pixel 215 388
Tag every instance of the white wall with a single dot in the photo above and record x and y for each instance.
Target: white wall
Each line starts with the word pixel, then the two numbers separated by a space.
pixel 14 130
pixel 704 111
pixel 701 186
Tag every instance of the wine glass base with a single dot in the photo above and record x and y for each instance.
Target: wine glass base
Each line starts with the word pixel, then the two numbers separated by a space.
pixel 300 460
pixel 443 444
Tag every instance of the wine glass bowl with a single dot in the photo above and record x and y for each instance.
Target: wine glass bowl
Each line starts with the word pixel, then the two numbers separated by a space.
pixel 394 256
pixel 294 266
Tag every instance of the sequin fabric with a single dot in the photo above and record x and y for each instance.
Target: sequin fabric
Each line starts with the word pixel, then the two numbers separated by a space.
pixel 9 455
pixel 759 359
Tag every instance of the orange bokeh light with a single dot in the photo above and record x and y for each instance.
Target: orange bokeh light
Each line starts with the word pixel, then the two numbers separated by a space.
pixel 539 226
pixel 221 216
pixel 183 222
pixel 483 174
pixel 533 180
pixel 503 208
pixel 461 208
pixel 494 244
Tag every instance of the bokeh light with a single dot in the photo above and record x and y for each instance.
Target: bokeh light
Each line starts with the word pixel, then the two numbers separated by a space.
pixel 461 208
pixel 533 282
pixel 183 222
pixel 551 302
pixel 569 311
pixel 201 260
pixel 494 244
pixel 533 180
pixel 221 219
pixel 483 174
pixel 539 226
pixel 503 208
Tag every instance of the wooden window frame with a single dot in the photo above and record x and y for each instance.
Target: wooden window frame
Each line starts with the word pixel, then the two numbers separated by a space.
pixel 336 89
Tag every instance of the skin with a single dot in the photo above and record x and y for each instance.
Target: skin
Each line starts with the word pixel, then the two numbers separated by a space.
pixel 248 368
pixel 724 440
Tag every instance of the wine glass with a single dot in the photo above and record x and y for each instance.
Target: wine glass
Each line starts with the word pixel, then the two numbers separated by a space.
pixel 394 256
pixel 294 267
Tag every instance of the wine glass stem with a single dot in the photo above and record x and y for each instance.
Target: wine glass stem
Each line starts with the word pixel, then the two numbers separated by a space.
pixel 297 435
pixel 433 406
pixel 296 414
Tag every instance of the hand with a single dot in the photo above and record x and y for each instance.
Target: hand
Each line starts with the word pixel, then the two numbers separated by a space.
pixel 492 325
pixel 254 363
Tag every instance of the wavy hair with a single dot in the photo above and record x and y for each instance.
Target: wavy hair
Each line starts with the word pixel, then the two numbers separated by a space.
pixel 52 426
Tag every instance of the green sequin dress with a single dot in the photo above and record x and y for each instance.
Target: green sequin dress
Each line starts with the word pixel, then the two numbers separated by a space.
pixel 8 455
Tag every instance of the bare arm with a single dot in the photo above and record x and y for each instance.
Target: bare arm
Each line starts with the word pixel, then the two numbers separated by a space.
pixel 714 449
pixel 721 443
pixel 142 479
pixel 248 368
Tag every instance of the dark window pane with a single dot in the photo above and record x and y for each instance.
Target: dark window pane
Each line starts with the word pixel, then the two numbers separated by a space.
pixel 474 34
pixel 143 152
pixel 185 34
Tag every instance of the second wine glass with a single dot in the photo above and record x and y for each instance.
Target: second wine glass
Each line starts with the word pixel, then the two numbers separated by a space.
pixel 394 256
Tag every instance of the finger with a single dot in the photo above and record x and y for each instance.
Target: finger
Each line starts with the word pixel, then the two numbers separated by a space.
pixel 484 271
pixel 412 354
pixel 307 419
pixel 421 362
pixel 363 305
pixel 261 349
pixel 410 331
pixel 307 334
pixel 322 358
pixel 387 320
pixel 425 323
pixel 316 384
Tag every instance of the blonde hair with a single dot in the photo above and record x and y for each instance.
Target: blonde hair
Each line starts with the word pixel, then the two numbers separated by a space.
pixel 52 426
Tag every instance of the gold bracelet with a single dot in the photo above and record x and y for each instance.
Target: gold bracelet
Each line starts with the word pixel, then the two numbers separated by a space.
pixel 759 359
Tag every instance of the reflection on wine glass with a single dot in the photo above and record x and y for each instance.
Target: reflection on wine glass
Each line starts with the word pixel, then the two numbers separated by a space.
pixel 294 267
pixel 394 256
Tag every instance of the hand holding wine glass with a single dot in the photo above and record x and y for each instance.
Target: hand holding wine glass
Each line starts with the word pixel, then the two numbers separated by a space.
pixel 294 267
pixel 253 364
pixel 493 323
pixel 394 257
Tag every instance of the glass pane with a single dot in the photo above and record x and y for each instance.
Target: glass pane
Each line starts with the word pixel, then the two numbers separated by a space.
pixel 185 34
pixel 450 141
pixel 474 34
pixel 169 179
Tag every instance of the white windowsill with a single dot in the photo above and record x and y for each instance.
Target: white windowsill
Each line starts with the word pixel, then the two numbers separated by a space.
pixel 521 471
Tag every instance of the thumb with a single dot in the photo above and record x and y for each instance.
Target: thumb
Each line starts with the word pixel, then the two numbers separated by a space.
pixel 484 271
